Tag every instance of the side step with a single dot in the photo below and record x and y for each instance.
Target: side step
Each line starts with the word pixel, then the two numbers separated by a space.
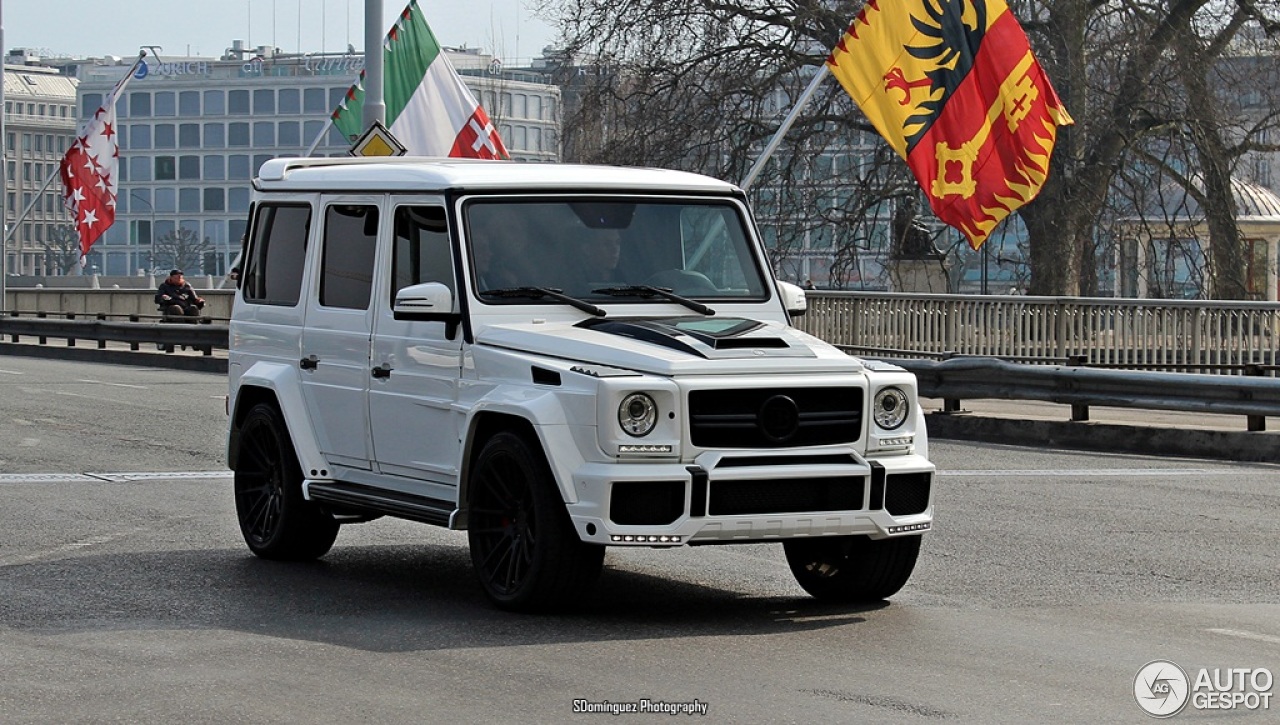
pixel 381 501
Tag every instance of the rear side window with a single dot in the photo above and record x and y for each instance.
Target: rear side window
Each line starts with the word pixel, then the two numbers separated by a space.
pixel 350 238
pixel 277 255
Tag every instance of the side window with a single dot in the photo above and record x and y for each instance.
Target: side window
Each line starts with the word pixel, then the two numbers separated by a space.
pixel 350 238
pixel 421 249
pixel 277 254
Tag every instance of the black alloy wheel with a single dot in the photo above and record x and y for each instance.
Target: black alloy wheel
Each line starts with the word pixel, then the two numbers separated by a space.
pixel 523 546
pixel 276 521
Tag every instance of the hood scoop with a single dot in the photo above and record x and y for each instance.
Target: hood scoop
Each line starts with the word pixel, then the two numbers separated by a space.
pixel 710 338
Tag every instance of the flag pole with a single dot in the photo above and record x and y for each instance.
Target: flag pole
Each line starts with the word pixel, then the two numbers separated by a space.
pixel 319 137
pixel 786 126
pixel 4 183
pixel 35 199
pixel 374 107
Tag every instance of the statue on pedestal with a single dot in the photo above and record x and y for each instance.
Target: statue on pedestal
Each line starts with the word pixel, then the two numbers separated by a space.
pixel 911 239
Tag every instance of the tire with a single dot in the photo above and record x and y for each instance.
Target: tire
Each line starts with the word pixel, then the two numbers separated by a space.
pixel 852 568
pixel 277 523
pixel 523 546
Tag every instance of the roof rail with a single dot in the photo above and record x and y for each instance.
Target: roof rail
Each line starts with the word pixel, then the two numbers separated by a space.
pixel 278 169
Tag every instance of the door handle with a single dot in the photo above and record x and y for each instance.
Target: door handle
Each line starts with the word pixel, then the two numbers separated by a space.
pixel 382 371
pixel 309 363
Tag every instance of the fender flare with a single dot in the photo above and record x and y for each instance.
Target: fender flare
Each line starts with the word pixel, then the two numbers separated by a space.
pixel 282 381
pixel 545 417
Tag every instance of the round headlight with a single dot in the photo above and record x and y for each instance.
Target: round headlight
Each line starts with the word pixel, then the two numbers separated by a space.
pixel 890 408
pixel 638 414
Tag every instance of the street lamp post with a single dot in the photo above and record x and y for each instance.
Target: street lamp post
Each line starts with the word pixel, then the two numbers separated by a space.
pixel 151 241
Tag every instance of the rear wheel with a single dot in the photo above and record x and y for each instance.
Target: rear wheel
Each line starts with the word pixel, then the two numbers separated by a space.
pixel 277 522
pixel 852 568
pixel 523 545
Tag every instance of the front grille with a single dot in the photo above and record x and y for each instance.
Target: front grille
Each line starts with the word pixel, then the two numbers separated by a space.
pixel 774 417
pixel 907 494
pixel 646 503
pixel 738 498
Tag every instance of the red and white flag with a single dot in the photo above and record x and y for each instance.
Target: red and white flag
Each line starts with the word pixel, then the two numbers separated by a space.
pixel 89 170
pixel 428 108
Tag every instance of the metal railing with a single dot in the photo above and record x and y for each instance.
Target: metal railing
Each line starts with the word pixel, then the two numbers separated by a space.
pixel 1173 335
pixel 940 339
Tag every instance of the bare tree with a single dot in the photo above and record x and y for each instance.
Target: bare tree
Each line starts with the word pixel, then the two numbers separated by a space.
pixel 1130 73
pixel 701 84
pixel 62 249
pixel 183 249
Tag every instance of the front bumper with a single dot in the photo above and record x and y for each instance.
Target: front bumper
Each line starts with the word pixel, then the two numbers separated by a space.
pixel 749 496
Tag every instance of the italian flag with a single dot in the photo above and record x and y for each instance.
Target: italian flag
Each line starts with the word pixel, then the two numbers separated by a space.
pixel 429 110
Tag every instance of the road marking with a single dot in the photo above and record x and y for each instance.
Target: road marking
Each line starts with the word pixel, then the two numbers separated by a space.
pixel 44 478
pixel 1242 634
pixel 114 477
pixel 161 475
pixel 11 372
pixel 116 385
pixel 1096 472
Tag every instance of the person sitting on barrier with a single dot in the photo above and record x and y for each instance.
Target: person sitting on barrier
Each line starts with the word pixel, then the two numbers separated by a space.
pixel 176 298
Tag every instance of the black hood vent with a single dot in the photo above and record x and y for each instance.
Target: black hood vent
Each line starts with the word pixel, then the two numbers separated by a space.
pixel 707 337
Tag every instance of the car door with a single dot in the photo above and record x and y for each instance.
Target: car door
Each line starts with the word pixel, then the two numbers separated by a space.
pixel 336 331
pixel 412 397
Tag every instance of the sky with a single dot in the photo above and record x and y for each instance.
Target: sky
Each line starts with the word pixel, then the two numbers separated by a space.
pixel 79 28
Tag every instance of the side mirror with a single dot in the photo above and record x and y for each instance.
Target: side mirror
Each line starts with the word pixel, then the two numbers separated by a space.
pixel 793 298
pixel 427 302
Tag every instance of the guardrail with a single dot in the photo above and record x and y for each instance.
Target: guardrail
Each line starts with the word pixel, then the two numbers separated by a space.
pixel 203 334
pixel 961 378
pixel 954 379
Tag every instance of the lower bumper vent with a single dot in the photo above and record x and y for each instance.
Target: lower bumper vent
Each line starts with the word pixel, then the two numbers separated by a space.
pixel 646 503
pixel 907 494
pixel 739 498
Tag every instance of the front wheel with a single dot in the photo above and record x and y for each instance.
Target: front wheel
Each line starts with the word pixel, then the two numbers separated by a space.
pixel 523 545
pixel 277 522
pixel 852 568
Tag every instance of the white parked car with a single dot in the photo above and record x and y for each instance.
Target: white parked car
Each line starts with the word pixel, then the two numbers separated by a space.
pixel 556 359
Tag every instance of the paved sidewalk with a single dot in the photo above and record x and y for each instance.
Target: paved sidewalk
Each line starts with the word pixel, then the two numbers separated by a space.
pixel 1061 412
pixel 1124 430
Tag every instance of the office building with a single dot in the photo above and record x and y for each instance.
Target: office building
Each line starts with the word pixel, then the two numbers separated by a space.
pixel 193 132
pixel 39 124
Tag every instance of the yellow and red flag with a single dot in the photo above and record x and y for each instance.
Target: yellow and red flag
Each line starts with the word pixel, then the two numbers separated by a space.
pixel 954 89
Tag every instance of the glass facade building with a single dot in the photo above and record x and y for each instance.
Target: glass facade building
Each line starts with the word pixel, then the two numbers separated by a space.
pixel 193 133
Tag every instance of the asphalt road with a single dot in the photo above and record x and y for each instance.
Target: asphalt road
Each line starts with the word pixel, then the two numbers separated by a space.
pixel 126 594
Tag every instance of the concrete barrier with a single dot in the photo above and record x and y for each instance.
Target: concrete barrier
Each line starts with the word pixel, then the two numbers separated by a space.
pixel 107 301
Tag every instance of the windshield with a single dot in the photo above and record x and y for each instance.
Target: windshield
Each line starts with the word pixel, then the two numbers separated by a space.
pixel 609 250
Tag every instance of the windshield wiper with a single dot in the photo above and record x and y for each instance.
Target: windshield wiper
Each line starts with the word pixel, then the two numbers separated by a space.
pixel 537 293
pixel 644 290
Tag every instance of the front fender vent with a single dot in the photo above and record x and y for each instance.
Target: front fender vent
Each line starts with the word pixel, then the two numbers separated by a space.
pixel 543 376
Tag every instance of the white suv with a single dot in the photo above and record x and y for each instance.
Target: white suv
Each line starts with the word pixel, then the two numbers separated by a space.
pixel 556 359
